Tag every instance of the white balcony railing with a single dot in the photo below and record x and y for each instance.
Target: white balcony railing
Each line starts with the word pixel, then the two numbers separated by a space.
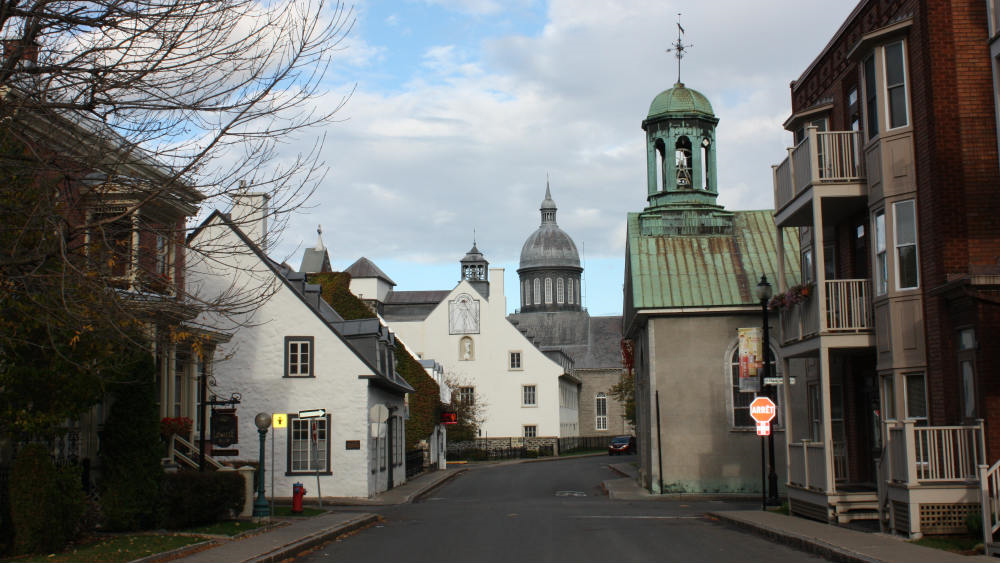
pixel 807 461
pixel 921 455
pixel 821 157
pixel 848 305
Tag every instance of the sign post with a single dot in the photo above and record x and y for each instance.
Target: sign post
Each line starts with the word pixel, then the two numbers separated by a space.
pixel 762 410
pixel 312 415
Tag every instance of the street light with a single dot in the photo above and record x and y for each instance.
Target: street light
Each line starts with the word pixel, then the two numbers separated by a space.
pixel 763 293
pixel 260 507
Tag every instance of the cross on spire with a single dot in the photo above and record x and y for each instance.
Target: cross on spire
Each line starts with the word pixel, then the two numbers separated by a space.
pixel 679 48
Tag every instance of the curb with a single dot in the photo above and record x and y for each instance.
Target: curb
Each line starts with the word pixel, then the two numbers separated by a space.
pixel 295 548
pixel 803 543
pixel 176 553
pixel 419 495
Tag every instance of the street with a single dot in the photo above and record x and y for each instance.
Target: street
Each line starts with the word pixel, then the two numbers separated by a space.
pixel 550 511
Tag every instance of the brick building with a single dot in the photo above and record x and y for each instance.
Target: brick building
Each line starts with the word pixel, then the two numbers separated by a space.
pixel 889 191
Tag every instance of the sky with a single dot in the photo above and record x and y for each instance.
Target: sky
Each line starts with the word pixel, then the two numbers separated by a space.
pixel 462 108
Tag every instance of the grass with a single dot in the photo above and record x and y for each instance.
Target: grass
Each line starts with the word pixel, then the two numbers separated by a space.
pixel 965 545
pixel 306 511
pixel 118 549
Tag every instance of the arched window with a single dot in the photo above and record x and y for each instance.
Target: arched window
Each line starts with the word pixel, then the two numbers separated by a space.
pixel 741 400
pixel 706 143
pixel 560 291
pixel 682 154
pixel 601 411
pixel 660 156
pixel 548 291
pixel 538 293
pixel 569 291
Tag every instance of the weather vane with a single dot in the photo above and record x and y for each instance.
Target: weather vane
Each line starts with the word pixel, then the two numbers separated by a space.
pixel 679 48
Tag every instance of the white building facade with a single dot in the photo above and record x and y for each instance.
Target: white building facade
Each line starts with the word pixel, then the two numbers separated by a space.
pixel 291 355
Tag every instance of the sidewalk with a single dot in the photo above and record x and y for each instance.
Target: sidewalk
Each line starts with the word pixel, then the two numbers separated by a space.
pixel 826 540
pixel 293 536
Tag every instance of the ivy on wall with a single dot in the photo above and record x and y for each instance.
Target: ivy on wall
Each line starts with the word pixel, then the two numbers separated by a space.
pixel 425 400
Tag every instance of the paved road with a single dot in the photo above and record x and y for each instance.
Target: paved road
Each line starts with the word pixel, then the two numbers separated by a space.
pixel 549 511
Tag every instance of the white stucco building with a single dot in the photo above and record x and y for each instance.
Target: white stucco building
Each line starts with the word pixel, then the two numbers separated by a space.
pixel 524 392
pixel 295 353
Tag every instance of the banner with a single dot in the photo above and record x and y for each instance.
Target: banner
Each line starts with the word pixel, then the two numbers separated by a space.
pixel 751 359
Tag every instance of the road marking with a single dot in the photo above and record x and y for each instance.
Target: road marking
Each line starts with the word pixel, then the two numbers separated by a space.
pixel 570 494
pixel 625 517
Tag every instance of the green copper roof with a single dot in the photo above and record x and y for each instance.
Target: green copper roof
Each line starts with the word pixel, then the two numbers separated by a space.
pixel 670 271
pixel 680 99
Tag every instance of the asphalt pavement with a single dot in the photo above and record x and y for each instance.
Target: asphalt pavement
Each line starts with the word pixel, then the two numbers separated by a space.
pixel 291 537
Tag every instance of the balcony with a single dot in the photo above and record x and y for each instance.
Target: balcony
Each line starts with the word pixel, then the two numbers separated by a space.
pixel 846 309
pixel 821 158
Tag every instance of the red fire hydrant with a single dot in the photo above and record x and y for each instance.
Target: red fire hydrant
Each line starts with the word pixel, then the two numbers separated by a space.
pixel 298 491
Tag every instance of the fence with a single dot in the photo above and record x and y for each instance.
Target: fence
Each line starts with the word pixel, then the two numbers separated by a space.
pixel 414 463
pixel 498 453
pixel 583 443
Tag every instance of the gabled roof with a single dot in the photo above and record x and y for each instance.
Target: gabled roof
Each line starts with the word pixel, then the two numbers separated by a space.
pixel 365 268
pixel 673 271
pixel 310 296
pixel 403 306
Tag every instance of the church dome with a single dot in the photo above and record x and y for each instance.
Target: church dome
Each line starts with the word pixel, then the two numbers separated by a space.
pixel 680 99
pixel 549 246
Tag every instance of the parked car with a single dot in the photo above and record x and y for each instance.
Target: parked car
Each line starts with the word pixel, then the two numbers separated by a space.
pixel 622 445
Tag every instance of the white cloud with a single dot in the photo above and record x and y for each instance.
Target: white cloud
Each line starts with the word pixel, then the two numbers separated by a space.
pixel 465 143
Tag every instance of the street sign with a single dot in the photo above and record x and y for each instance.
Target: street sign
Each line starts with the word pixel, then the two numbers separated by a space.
pixel 279 420
pixel 763 428
pixel 762 409
pixel 313 413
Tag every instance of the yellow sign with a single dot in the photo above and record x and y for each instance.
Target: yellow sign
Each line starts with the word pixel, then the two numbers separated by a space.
pixel 279 420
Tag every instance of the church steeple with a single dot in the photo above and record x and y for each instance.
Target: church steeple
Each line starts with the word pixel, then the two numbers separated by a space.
pixel 476 271
pixel 681 180
pixel 548 207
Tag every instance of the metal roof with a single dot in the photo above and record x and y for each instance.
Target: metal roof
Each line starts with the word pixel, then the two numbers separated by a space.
pixel 672 271
pixel 365 268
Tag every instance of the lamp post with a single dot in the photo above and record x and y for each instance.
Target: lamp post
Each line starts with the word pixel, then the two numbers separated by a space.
pixel 763 294
pixel 261 509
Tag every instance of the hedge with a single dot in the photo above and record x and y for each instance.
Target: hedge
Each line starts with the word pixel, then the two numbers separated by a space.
pixel 191 498
pixel 46 503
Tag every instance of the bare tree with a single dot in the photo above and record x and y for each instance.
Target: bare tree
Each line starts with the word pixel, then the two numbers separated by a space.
pixel 119 121
pixel 470 409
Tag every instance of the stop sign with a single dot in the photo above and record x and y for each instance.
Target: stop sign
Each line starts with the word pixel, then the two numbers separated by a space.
pixel 762 409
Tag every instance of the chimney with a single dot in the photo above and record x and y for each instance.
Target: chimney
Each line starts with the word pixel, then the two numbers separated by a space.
pixel 250 213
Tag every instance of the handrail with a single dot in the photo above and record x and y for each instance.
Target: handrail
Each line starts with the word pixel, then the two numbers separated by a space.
pixel 173 454
pixel 989 501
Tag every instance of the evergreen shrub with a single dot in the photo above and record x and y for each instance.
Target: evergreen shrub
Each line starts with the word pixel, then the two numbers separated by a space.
pixel 46 503
pixel 190 498
pixel 131 451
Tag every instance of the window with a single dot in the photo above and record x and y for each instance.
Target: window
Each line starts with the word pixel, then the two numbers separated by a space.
pixel 601 411
pixel 560 291
pixel 397 440
pixel 467 395
pixel 906 245
pixel 871 106
pixel 967 368
pixel 112 242
pixel 528 396
pixel 538 293
pixel 548 291
pixel 807 265
pixel 524 289
pixel 881 267
pixel 515 360
pixel 180 370
pixel 530 431
pixel 916 397
pixel 309 445
pixel 741 400
pixel 888 398
pixel 299 356
pixel 569 291
pixel 895 84
pixel 162 256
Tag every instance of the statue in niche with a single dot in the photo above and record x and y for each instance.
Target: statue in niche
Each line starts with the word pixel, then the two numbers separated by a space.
pixel 466 350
